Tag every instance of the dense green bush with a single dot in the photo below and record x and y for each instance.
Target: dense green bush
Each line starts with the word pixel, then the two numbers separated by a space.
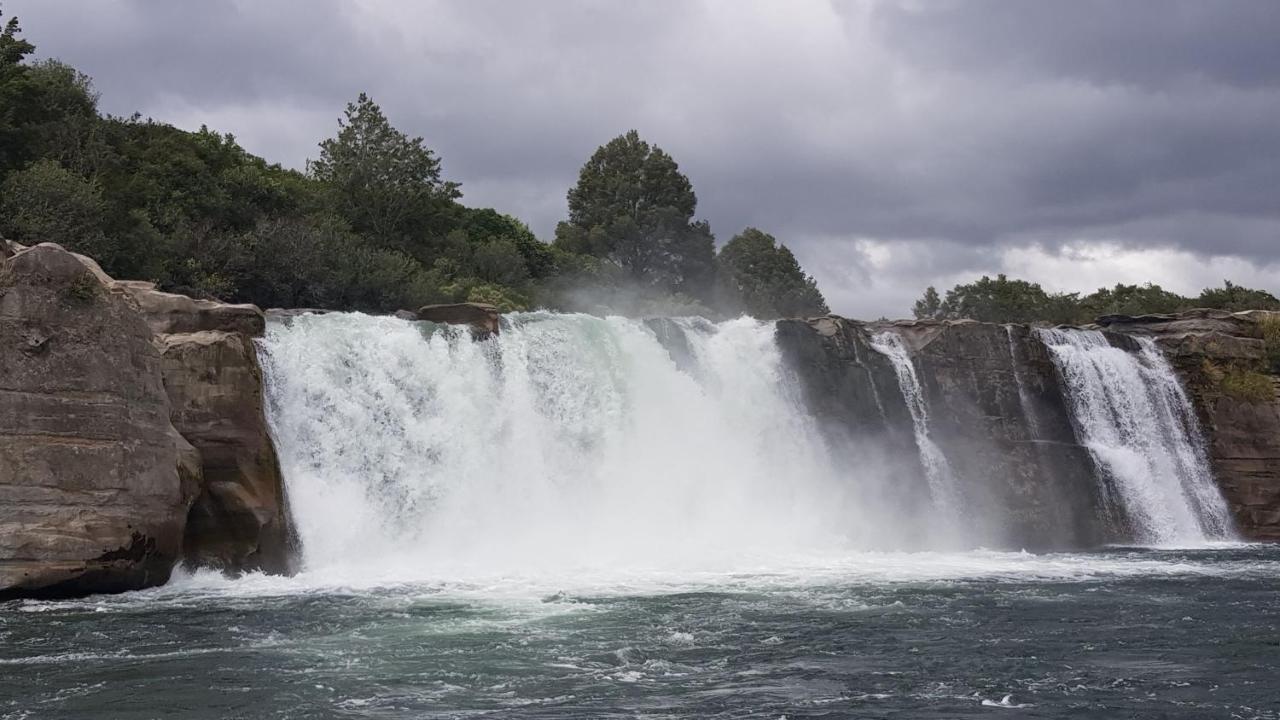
pixel 1005 300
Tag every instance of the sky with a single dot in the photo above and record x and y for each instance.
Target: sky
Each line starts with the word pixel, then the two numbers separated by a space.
pixel 890 145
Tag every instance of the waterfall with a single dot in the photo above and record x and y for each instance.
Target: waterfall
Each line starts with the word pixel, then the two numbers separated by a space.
pixel 1132 414
pixel 942 484
pixel 567 441
pixel 1024 400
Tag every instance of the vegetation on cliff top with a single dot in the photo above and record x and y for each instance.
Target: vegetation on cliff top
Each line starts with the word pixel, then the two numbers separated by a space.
pixel 372 224
pixel 1005 300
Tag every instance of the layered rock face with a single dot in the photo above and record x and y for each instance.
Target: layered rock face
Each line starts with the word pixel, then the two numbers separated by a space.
pixel 1228 363
pixel 997 410
pixel 95 482
pixel 993 410
pixel 211 373
pixel 131 433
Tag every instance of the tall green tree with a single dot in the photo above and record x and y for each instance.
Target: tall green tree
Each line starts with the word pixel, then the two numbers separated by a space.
pixel 929 306
pixel 386 184
pixel 767 278
pixel 634 208
pixel 18 98
pixel 46 203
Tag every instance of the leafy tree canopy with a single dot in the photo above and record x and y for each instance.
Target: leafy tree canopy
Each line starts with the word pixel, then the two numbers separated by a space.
pixel 385 183
pixel 999 300
pixel 634 208
pixel 1004 300
pixel 768 279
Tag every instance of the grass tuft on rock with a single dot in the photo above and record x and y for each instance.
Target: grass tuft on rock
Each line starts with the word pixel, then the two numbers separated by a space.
pixel 1247 386
pixel 1271 341
pixel 83 290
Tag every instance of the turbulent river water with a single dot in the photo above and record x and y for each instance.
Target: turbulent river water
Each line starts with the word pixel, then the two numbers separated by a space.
pixel 605 518
pixel 1114 634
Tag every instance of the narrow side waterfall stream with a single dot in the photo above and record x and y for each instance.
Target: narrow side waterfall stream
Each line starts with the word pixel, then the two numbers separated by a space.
pixel 942 482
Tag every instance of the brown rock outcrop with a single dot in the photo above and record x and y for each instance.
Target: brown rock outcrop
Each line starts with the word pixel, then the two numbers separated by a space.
pixel 132 432
pixel 168 313
pixel 481 318
pixel 238 522
pixel 95 483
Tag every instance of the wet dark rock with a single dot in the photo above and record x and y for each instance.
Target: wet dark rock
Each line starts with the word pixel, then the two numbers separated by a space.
pixel 483 319
pixel 995 410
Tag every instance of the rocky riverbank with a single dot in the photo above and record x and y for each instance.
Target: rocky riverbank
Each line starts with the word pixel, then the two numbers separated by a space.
pixel 131 433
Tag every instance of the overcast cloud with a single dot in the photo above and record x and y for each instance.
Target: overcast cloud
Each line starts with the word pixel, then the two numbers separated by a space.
pixel 892 145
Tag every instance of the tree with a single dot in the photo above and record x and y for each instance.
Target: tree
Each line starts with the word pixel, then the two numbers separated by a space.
pixel 634 208
pixel 486 225
pixel 1236 297
pixel 767 278
pixel 65 124
pixel 386 184
pixel 1130 300
pixel 17 97
pixel 46 203
pixel 929 307
pixel 1003 301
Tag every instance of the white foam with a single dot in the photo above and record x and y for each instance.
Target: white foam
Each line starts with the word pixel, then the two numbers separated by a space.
pixel 572 441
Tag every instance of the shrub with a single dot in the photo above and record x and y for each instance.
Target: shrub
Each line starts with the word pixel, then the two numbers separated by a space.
pixel 83 290
pixel 1247 385
pixel 1271 341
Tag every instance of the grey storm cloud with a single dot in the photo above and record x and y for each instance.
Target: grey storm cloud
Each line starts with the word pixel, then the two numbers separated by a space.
pixel 891 144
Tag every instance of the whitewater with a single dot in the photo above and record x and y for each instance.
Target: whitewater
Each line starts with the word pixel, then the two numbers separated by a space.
pixel 570 442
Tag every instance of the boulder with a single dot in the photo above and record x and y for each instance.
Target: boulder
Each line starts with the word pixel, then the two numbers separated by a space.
pixel 238 522
pixel 481 318
pixel 287 313
pixel 95 483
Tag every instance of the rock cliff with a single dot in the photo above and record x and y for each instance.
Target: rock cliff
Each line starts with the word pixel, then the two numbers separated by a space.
pixel 131 432
pixel 994 411
pixel 211 373
pixel 95 482
pixel 997 411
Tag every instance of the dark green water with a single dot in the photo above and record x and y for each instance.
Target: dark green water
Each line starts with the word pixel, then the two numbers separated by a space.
pixel 1116 634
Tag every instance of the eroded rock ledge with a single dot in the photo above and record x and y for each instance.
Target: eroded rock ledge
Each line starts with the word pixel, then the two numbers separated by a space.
pixel 131 432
